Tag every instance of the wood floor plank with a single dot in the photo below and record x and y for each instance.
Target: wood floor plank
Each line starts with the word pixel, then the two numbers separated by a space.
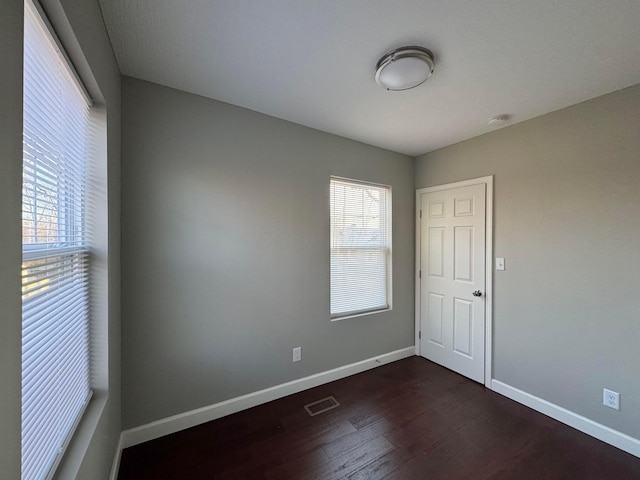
pixel 351 460
pixel 300 442
pixel 353 440
pixel 382 466
pixel 409 420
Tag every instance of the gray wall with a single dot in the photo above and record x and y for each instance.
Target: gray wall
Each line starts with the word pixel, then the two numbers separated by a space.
pixel 79 23
pixel 567 220
pixel 226 252
pixel 11 28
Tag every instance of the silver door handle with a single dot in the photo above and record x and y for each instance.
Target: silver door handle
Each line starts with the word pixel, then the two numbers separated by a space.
pixel 477 293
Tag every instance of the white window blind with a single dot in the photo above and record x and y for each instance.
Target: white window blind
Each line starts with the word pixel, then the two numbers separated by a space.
pixel 360 247
pixel 55 274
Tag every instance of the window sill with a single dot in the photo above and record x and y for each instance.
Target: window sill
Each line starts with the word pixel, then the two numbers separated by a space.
pixel 361 314
pixel 77 448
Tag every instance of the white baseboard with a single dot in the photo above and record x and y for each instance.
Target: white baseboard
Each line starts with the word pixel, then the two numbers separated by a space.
pixel 601 432
pixel 115 467
pixel 175 423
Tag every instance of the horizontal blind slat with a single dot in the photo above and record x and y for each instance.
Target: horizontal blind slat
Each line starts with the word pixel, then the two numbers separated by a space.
pixel 45 305
pixel 39 295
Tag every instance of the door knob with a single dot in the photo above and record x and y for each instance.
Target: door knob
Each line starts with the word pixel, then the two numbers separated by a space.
pixel 477 293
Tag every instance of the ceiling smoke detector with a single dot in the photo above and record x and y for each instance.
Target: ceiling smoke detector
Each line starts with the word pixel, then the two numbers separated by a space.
pixel 404 68
pixel 497 120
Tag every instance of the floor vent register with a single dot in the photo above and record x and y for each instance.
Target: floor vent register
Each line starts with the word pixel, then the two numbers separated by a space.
pixel 321 406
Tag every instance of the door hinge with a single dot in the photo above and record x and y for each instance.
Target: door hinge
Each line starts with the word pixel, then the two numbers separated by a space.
pixel 419 273
pixel 420 335
pixel 420 213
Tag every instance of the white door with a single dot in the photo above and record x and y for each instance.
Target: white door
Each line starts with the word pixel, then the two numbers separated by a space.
pixel 452 278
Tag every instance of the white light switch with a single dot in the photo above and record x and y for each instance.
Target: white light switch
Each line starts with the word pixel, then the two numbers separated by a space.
pixel 499 263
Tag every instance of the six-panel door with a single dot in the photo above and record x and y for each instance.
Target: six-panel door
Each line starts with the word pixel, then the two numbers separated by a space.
pixel 452 264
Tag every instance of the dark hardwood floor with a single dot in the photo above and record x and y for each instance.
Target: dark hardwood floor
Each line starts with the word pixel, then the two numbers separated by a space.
pixel 407 420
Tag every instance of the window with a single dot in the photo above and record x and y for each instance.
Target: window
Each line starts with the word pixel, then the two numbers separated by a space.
pixel 360 247
pixel 56 383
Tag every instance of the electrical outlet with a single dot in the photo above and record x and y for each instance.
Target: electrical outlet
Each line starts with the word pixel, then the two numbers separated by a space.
pixel 611 399
pixel 297 354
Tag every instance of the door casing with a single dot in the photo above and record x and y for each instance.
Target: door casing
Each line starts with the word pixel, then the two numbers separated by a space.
pixel 488 337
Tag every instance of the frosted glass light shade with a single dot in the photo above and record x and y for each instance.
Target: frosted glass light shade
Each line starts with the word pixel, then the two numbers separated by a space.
pixel 404 68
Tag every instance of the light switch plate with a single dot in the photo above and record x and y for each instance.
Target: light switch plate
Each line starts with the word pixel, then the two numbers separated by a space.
pixel 499 263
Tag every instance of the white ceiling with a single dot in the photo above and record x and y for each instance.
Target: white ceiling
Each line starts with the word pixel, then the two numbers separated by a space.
pixel 312 61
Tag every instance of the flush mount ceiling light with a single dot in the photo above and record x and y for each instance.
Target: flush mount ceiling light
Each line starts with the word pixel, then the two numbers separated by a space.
pixel 404 68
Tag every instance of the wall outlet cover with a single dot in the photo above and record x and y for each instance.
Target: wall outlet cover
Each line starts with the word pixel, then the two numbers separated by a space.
pixel 611 399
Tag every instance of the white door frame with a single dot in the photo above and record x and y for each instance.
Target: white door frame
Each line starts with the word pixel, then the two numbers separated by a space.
pixel 488 312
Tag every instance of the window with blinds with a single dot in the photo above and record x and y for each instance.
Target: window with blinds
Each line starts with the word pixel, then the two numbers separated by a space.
pixel 55 272
pixel 360 247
